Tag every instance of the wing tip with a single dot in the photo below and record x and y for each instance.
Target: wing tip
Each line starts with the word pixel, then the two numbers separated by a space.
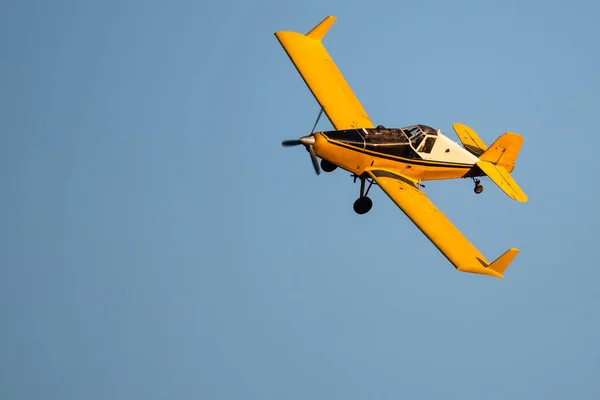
pixel 522 198
pixel 316 33
pixel 319 31
pixel 501 263
pixel 495 269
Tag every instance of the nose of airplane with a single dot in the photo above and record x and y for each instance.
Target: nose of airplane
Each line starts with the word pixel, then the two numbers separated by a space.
pixel 307 140
pixel 317 139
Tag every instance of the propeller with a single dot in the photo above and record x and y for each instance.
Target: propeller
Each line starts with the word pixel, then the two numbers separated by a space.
pixel 308 142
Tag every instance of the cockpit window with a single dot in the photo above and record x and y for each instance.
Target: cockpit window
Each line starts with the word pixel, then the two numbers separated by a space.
pixel 422 137
pixel 429 131
pixel 350 136
pixel 417 139
pixel 411 131
pixel 428 145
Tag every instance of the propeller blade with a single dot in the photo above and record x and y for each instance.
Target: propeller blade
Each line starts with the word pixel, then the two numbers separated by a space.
pixel 314 160
pixel 308 142
pixel 288 143
pixel 317 121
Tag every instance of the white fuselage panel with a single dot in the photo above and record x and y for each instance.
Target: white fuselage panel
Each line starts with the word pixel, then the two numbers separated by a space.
pixel 447 150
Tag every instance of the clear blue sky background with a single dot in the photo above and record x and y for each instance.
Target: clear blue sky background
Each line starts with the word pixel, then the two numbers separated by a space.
pixel 157 242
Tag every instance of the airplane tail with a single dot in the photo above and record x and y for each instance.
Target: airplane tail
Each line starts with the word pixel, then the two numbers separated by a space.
pixel 501 177
pixel 504 151
pixel 496 161
pixel 469 139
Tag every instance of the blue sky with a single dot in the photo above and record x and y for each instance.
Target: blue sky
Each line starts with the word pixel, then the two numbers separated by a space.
pixel 157 242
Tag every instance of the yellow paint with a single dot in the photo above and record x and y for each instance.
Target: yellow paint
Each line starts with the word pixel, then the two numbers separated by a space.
pixel 434 224
pixel 348 158
pixel 323 77
pixel 502 178
pixel 469 139
pixel 504 151
pixel 399 177
pixel 319 31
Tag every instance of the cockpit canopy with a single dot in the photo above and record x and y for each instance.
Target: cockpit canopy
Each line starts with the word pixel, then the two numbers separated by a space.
pixel 419 133
pixel 403 142
pixel 415 130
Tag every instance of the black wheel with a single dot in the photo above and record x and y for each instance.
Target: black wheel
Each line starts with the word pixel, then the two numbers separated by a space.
pixel 327 166
pixel 362 205
pixel 478 189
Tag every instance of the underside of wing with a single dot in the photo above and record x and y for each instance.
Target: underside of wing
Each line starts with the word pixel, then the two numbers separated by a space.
pixel 434 224
pixel 323 77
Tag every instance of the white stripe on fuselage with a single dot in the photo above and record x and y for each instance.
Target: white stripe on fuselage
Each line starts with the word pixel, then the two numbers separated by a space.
pixel 446 150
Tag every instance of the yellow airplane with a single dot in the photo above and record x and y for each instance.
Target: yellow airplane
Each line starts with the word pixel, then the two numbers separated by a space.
pixel 398 160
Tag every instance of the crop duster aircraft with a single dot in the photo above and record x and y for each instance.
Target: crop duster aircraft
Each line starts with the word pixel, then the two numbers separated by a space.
pixel 398 160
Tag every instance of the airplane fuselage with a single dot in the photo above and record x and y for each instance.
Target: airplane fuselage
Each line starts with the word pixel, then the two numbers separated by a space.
pixel 419 152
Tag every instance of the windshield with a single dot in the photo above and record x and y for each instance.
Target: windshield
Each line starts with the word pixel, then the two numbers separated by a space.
pixel 417 139
pixel 411 131
pixel 427 145
pixel 418 133
pixel 428 130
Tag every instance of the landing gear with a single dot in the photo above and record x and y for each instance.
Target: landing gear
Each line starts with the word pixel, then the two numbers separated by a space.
pixel 363 204
pixel 327 166
pixel 478 186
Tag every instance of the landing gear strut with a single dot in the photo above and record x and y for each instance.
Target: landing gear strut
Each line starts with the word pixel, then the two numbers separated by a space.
pixel 478 186
pixel 363 204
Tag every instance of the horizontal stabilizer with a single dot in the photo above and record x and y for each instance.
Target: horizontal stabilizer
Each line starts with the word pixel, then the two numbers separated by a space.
pixel 469 139
pixel 502 178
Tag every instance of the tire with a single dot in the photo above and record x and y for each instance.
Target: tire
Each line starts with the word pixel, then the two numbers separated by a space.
pixel 362 205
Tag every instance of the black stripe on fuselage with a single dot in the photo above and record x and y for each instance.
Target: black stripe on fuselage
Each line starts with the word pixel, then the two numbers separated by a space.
pixel 426 163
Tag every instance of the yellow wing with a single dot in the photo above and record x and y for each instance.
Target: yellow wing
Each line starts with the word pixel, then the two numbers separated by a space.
pixel 323 77
pixel 434 224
